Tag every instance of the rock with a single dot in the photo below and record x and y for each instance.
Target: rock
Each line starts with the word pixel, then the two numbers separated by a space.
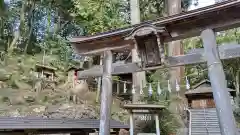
pixel 15 114
pixel 22 85
pixel 2 85
pixel 4 99
pixel 123 132
pixel 40 109
pixel 71 111
pixel 29 99
pixel 18 100
pixel 4 75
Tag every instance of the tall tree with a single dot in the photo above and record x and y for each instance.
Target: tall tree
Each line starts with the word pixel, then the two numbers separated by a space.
pixel 176 73
pixel 175 47
pixel 139 79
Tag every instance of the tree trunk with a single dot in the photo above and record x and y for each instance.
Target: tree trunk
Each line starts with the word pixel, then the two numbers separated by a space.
pixel 99 84
pixel 139 78
pixel 237 82
pixel 176 73
pixel 31 21
pixel 20 29
pixel 175 47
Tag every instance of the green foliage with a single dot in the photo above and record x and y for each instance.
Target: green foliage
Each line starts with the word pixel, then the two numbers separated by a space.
pixel 152 9
pixel 231 67
pixel 31 30
pixel 99 16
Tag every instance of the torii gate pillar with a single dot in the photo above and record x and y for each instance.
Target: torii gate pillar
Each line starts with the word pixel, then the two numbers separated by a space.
pixel 106 95
pixel 218 83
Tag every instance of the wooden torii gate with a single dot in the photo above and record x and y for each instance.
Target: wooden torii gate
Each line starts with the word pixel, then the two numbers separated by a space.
pixel 150 38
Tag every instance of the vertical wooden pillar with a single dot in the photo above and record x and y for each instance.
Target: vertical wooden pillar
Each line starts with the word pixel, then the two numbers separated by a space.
pixel 106 96
pixel 131 124
pixel 157 124
pixel 118 89
pixel 99 83
pixel 218 83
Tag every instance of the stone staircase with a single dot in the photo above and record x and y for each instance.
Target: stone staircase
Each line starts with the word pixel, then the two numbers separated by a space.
pixel 205 122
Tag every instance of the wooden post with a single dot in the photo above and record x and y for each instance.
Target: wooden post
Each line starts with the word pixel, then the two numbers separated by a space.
pixel 218 83
pixel 131 124
pixel 106 96
pixel 99 84
pixel 157 124
pixel 118 89
pixel 73 80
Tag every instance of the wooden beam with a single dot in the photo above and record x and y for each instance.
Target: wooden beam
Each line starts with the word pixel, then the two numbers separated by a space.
pixel 181 30
pixel 143 107
pixel 225 52
pixel 99 51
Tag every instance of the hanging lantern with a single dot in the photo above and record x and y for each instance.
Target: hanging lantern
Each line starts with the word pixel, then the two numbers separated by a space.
pixel 150 45
pixel 159 91
pixel 125 87
pixel 177 86
pixel 187 84
pixel 150 91
pixel 169 87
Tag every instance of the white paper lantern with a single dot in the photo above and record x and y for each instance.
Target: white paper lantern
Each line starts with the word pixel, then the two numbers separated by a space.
pixel 125 87
pixel 150 91
pixel 177 86
pixel 159 91
pixel 133 89
pixel 169 87
pixel 187 84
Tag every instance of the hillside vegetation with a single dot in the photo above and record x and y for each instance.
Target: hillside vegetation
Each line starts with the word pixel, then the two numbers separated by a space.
pixel 37 31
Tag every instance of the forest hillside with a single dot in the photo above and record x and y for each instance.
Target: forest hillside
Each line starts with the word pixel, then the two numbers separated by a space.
pixel 36 32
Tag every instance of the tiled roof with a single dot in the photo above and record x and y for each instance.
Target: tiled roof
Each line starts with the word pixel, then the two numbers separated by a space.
pixel 20 123
pixel 203 87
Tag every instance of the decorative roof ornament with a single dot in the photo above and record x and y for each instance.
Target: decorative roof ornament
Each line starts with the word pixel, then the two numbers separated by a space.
pixel 150 91
pixel 187 83
pixel 177 86
pixel 159 91
pixel 169 86
pixel 125 87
